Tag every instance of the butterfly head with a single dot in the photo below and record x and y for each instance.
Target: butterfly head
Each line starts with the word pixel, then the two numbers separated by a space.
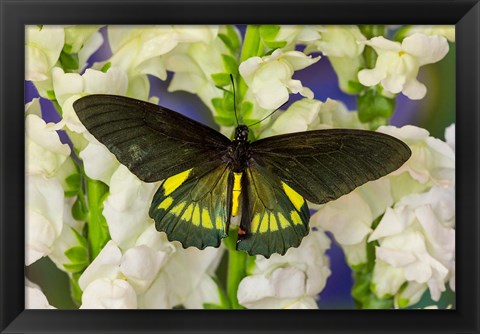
pixel 241 133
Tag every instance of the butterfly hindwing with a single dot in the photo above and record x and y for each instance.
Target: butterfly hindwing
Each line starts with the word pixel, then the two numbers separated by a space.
pixel 153 142
pixel 192 207
pixel 274 216
pixel 323 165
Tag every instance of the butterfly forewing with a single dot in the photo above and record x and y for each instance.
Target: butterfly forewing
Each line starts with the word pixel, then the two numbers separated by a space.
pixel 274 216
pixel 153 142
pixel 326 164
pixel 192 207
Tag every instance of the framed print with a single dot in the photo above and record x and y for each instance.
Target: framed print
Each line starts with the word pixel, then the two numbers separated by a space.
pixel 238 171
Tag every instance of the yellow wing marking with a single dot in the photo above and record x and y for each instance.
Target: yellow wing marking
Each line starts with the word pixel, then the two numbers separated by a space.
pixel 177 210
pixel 196 216
pixel 175 181
pixel 236 191
pixel 165 204
pixel 293 196
pixel 264 224
pixel 296 218
pixel 255 222
pixel 283 221
pixel 273 222
pixel 187 214
pixel 206 220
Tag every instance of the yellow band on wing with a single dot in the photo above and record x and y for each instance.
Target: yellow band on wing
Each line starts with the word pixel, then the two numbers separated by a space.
pixel 293 196
pixel 175 181
pixel 236 191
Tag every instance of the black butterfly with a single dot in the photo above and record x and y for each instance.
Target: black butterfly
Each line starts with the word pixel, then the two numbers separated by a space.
pixel 209 178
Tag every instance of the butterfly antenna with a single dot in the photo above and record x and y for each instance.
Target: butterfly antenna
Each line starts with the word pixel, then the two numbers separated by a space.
pixel 234 100
pixel 268 115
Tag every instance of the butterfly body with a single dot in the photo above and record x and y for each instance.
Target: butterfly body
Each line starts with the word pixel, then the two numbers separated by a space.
pixel 208 178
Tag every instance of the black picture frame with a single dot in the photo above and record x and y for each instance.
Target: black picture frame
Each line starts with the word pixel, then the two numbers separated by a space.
pixel 15 14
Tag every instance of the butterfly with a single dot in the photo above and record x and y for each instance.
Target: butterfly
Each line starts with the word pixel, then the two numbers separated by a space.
pixel 208 178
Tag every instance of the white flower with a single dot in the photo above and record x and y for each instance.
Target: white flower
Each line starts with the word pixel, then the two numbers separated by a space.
pixel 44 216
pixel 34 297
pixel 270 77
pixel 343 46
pixel 310 114
pixel 69 87
pixel 193 64
pixel 43 45
pixel 398 63
pixel 349 218
pixel 432 161
pixel 126 208
pixel 98 162
pixel 289 281
pixel 139 50
pixel 179 281
pixel 45 151
pixel 109 294
pixel 447 31
pixel 155 274
pixel 416 245
pixel 45 157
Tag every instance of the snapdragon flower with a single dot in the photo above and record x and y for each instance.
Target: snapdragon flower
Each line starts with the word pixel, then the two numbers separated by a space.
pixel 311 114
pixel 270 78
pixel 447 31
pixel 45 195
pixel 140 50
pixel 290 281
pixel 398 64
pixel 416 245
pixel 343 46
pixel 43 45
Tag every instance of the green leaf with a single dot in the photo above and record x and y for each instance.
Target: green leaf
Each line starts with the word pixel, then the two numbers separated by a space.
pixel 98 233
pixel 228 103
pixel 69 61
pixel 230 64
pixel 74 181
pixel 77 254
pixel 275 44
pixel 217 103
pixel 269 32
pixel 82 241
pixel 374 107
pixel 234 37
pixel 246 109
pixel 221 79
pixel 224 120
pixel 75 267
pixel 79 210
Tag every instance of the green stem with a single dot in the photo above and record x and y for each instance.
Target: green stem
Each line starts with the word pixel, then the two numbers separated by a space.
pixel 369 54
pixel 237 262
pixel 98 234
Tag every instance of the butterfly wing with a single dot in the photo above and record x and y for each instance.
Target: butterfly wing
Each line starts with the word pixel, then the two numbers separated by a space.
pixel 193 206
pixel 153 142
pixel 274 216
pixel 323 165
